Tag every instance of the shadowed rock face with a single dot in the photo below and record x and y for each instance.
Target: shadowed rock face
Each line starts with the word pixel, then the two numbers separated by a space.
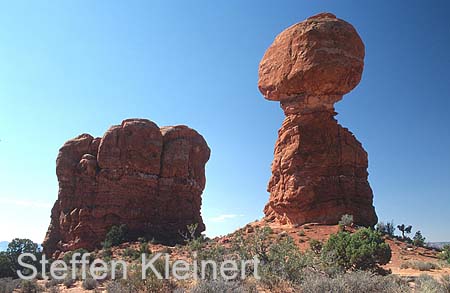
pixel 319 172
pixel 138 174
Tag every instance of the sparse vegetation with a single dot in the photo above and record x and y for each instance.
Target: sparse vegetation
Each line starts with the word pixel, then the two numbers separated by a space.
pixel 223 286
pixel 346 220
pixel 8 285
pixel 131 253
pixel 445 281
pixel 68 256
pixel 89 284
pixel 425 283
pixel 359 281
pixel 69 281
pixel 420 265
pixel 386 229
pixel 30 287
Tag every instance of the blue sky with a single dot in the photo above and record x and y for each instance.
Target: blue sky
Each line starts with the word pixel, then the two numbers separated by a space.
pixel 69 67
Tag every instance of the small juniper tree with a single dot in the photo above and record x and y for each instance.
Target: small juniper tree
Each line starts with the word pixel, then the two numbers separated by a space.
pixel 115 236
pixel 404 229
pixel 418 239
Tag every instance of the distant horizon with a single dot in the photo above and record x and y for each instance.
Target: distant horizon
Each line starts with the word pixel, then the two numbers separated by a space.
pixel 79 67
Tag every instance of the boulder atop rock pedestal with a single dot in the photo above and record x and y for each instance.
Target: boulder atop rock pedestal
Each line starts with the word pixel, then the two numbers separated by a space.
pixel 145 177
pixel 319 172
pixel 321 56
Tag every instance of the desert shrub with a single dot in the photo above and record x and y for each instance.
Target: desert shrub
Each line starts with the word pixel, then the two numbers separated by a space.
pixel 256 244
pixel 363 250
pixel 346 220
pixel 445 281
pixel 68 256
pixel 426 283
pixel 115 236
pixel 68 281
pixel 316 246
pixel 358 281
pixel 107 254
pixel 54 290
pixel 119 286
pixel 135 283
pixel 223 286
pixel 418 239
pixel 8 285
pixel 53 283
pixel 280 260
pixel 131 253
pixel 445 253
pixel 386 229
pixel 143 248
pixel 89 284
pixel 285 261
pixel 193 242
pixel 30 287
pixel 301 233
pixel 419 265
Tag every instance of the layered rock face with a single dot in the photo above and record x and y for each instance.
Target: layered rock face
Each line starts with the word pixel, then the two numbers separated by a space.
pixel 148 178
pixel 319 172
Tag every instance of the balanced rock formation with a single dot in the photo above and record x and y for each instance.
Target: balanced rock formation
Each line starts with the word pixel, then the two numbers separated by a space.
pixel 148 178
pixel 319 172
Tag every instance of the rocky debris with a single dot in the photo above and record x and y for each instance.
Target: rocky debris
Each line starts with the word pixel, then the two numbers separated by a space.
pixel 319 172
pixel 151 179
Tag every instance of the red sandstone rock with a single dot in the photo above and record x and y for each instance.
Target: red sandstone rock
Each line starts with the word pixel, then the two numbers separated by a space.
pixel 319 170
pixel 148 178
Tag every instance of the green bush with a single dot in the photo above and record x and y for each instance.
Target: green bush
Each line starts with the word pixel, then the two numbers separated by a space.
pixel 68 256
pixel 115 236
pixel 316 246
pixel 445 253
pixel 418 239
pixel 131 253
pixel 255 244
pixel 363 250
pixel 285 261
